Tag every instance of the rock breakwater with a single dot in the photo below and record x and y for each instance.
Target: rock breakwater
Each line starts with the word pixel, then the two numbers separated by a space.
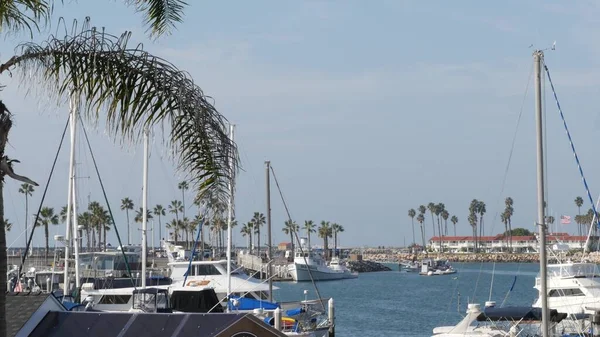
pixel 392 256
pixel 367 266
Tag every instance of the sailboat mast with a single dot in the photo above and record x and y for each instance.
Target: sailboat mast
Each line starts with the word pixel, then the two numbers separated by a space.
pixel 230 217
pixel 145 208
pixel 269 243
pixel 538 57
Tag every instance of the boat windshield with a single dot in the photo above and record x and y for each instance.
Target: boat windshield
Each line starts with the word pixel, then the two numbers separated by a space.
pixel 568 270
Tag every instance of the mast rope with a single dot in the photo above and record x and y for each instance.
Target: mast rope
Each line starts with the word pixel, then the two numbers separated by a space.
pixel 112 218
pixel 37 215
pixel 562 116
pixel 298 239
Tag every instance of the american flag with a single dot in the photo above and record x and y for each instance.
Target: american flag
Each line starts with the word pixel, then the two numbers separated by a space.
pixel 565 219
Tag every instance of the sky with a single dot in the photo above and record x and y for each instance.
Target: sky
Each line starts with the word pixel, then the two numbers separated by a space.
pixel 365 110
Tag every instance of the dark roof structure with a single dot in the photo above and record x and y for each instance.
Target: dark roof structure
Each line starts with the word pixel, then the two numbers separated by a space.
pixel 109 324
pixel 20 307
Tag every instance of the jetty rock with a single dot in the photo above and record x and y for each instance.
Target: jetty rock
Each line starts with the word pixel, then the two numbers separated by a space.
pixel 367 266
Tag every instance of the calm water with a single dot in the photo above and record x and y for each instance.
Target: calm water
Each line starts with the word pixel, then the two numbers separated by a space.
pixel 406 304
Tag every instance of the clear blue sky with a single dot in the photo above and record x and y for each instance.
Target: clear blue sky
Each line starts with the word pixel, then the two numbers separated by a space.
pixel 365 109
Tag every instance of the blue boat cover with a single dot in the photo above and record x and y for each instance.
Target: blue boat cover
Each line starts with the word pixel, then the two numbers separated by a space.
pixel 250 304
pixel 294 312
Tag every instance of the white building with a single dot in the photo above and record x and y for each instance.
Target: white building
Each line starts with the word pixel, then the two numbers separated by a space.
pixel 499 243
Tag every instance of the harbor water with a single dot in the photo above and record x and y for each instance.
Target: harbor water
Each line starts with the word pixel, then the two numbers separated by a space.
pixel 406 304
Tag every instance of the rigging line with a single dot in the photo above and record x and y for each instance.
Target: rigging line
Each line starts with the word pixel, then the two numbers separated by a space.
pixel 62 138
pixel 562 116
pixel 297 239
pixel 112 218
pixel 545 135
pixel 514 140
pixel 189 268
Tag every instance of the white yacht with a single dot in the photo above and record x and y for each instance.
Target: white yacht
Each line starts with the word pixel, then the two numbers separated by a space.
pixel 305 260
pixel 211 274
pixel 467 328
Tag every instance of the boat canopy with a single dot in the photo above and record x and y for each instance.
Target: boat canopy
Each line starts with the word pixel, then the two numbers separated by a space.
pixel 518 314
pixel 244 303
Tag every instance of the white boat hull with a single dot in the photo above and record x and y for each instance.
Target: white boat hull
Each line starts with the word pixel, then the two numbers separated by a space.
pixel 300 273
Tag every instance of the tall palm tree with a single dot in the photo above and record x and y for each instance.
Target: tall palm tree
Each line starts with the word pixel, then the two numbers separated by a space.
pixel 248 231
pixel 481 210
pixel 412 213
pixel 325 232
pixel 93 65
pixel 579 203
pixel 258 219
pixel 431 209
pixel 473 222
pixel 445 215
pixel 46 218
pixel 28 190
pixel 290 228
pixel 504 220
pixel 127 205
pixel 309 227
pixel 422 210
pixel 420 220
pixel 438 209
pixel 336 228
pixel 159 211
pixel 85 219
pixel 454 220
pixel 139 215
pixel 474 209
pixel 509 210
pixel 183 186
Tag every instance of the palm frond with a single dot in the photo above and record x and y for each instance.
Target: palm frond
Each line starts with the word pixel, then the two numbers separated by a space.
pixel 133 90
pixel 18 15
pixel 160 15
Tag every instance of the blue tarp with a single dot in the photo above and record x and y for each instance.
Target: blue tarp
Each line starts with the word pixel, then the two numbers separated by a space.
pixel 294 312
pixel 250 304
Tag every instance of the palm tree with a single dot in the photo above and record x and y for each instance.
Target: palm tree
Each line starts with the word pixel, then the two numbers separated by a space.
pixel 139 215
pixel 504 220
pixel 412 213
pixel 248 230
pixel 454 220
pixel 176 207
pixel 325 233
pixel 290 228
pixel 473 222
pixel 431 209
pixel 159 211
pixel 438 209
pixel 46 218
pixel 420 220
pixel 309 227
pixel 474 209
pixel 481 210
pixel 509 210
pixel 445 216
pixel 183 186
pixel 28 190
pixel 93 65
pixel 258 219
pixel 422 210
pixel 85 220
pixel 579 203
pixel 336 229
pixel 127 205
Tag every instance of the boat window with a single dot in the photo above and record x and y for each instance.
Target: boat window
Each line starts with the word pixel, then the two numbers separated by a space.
pixel 204 269
pixel 115 299
pixel 565 292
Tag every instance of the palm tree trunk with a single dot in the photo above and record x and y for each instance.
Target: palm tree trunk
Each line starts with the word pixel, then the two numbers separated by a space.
pixel 2 260
pixel 104 230
pixel 433 224
pixel 128 228
pixel 26 218
pixel 335 244
pixel 308 232
pixel 47 245
pixel 412 220
pixel 258 241
pixel 510 234
pixel 292 242
pixel 422 236
pixel 454 228
pixel 99 239
pixel 440 233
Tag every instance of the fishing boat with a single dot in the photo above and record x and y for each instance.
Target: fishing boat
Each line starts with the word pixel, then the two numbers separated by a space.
pixel 308 265
pixel 433 267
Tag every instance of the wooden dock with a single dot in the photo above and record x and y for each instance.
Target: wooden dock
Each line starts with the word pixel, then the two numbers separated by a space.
pixel 258 268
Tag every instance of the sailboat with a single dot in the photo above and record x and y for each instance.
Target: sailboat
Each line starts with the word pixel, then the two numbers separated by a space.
pixel 515 315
